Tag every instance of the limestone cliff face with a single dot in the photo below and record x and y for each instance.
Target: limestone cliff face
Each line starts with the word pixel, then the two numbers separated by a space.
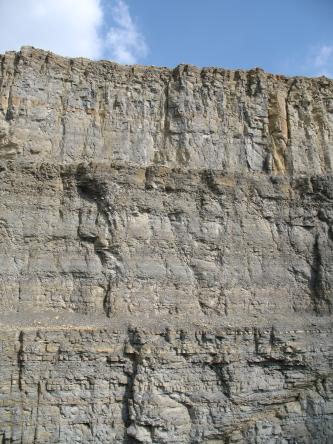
pixel 63 110
pixel 166 262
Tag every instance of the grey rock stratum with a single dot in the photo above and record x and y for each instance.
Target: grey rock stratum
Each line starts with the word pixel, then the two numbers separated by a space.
pixel 166 260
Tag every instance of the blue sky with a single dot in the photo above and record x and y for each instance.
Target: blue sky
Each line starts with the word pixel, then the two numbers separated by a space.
pixel 292 37
pixel 278 35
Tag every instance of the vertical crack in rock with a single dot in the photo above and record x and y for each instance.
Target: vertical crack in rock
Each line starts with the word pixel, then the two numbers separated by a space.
pixel 166 125
pixel 132 352
pixel 37 412
pixel 279 130
pixel 315 280
pixel 320 288
pixel 20 361
pixel 93 191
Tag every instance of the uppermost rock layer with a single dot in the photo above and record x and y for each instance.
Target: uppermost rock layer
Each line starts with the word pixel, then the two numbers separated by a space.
pixel 64 110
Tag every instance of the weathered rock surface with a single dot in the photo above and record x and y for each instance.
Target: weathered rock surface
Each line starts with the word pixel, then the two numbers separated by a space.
pixel 64 110
pixel 166 261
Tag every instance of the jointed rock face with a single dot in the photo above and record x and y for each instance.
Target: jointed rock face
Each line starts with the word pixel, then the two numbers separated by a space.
pixel 166 262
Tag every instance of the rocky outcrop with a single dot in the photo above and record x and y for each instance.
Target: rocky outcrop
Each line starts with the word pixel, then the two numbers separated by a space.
pixel 70 110
pixel 166 254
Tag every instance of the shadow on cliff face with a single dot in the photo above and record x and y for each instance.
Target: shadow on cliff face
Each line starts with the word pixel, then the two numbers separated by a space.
pixel 100 229
pixel 321 277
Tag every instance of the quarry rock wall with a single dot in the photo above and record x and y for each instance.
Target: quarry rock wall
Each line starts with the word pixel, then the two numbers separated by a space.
pixel 166 261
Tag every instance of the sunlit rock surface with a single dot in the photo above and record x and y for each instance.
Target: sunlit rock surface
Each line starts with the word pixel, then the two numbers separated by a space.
pixel 166 261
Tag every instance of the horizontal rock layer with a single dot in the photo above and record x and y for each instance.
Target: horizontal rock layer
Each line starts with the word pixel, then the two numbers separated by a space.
pixel 166 261
pixel 65 110
pixel 225 385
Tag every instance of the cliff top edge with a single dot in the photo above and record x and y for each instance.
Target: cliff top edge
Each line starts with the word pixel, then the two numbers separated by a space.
pixel 27 51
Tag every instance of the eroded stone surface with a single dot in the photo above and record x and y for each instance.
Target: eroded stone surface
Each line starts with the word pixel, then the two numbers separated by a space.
pixel 58 109
pixel 166 254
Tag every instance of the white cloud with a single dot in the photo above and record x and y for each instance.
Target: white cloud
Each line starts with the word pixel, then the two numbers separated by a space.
pixel 71 28
pixel 124 41
pixel 67 27
pixel 322 60
pixel 323 56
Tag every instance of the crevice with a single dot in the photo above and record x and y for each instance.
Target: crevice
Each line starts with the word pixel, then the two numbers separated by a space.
pixel 166 123
pixel 9 112
pixel 62 124
pixel 321 303
pixel 94 191
pixel 279 364
pixel 2 70
pixel 219 369
pixel 287 110
pixel 161 155
pixel 272 337
pixel 288 159
pixel 315 276
pixel 39 391
pixel 133 355
pixel 107 307
pixel 278 131
pixel 208 178
pixel 20 361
